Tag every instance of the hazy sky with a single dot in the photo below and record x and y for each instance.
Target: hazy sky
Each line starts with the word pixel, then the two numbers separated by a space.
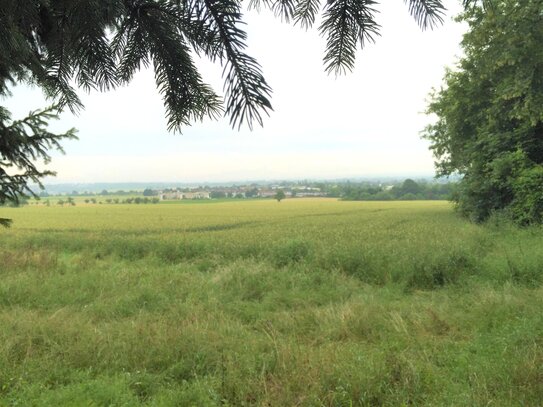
pixel 365 123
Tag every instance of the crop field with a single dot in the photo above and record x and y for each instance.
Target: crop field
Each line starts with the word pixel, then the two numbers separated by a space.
pixel 306 302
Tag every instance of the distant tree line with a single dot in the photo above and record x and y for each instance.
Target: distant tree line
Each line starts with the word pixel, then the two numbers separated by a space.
pixel 45 194
pixel 220 194
pixel 69 201
pixel 136 200
pixel 408 190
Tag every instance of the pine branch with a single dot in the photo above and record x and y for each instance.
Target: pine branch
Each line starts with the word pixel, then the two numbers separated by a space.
pixel 306 12
pixel 156 30
pixel 284 9
pixel 247 91
pixel 130 45
pixel 22 144
pixel 96 67
pixel 485 4
pixel 258 5
pixel 346 23
pixel 58 64
pixel 198 29
pixel 427 13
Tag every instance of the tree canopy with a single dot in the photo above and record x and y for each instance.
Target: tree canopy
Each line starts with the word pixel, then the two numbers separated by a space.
pixel 66 45
pixel 490 114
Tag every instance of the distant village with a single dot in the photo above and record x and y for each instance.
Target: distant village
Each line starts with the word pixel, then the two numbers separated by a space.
pixel 252 191
pixel 407 189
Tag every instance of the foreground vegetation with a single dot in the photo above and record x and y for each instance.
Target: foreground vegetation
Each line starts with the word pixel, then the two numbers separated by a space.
pixel 303 302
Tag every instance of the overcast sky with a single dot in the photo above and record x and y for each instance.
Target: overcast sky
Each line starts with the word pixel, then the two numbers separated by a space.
pixel 363 124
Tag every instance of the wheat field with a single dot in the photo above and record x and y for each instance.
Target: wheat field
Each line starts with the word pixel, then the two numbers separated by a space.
pixel 306 302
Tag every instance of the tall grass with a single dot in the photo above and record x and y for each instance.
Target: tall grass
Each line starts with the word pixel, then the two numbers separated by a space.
pixel 307 302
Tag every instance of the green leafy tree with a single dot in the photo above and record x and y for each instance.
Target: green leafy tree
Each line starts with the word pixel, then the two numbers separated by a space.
pixel 62 46
pixel 490 114
pixel 217 194
pixel 410 187
pixel 280 195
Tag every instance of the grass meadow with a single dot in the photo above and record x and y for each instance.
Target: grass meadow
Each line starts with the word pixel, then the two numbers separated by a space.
pixel 306 302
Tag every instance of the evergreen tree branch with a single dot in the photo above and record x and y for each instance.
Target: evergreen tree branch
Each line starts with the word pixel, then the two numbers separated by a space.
pixel 247 92
pixel 427 13
pixel 22 144
pixel 156 30
pixel 306 12
pixel 347 23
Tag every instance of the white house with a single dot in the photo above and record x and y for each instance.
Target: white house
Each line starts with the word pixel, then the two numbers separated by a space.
pixel 196 195
pixel 169 196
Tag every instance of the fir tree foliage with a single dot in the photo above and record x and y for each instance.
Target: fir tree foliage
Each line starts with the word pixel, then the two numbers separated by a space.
pixel 490 114
pixel 22 144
